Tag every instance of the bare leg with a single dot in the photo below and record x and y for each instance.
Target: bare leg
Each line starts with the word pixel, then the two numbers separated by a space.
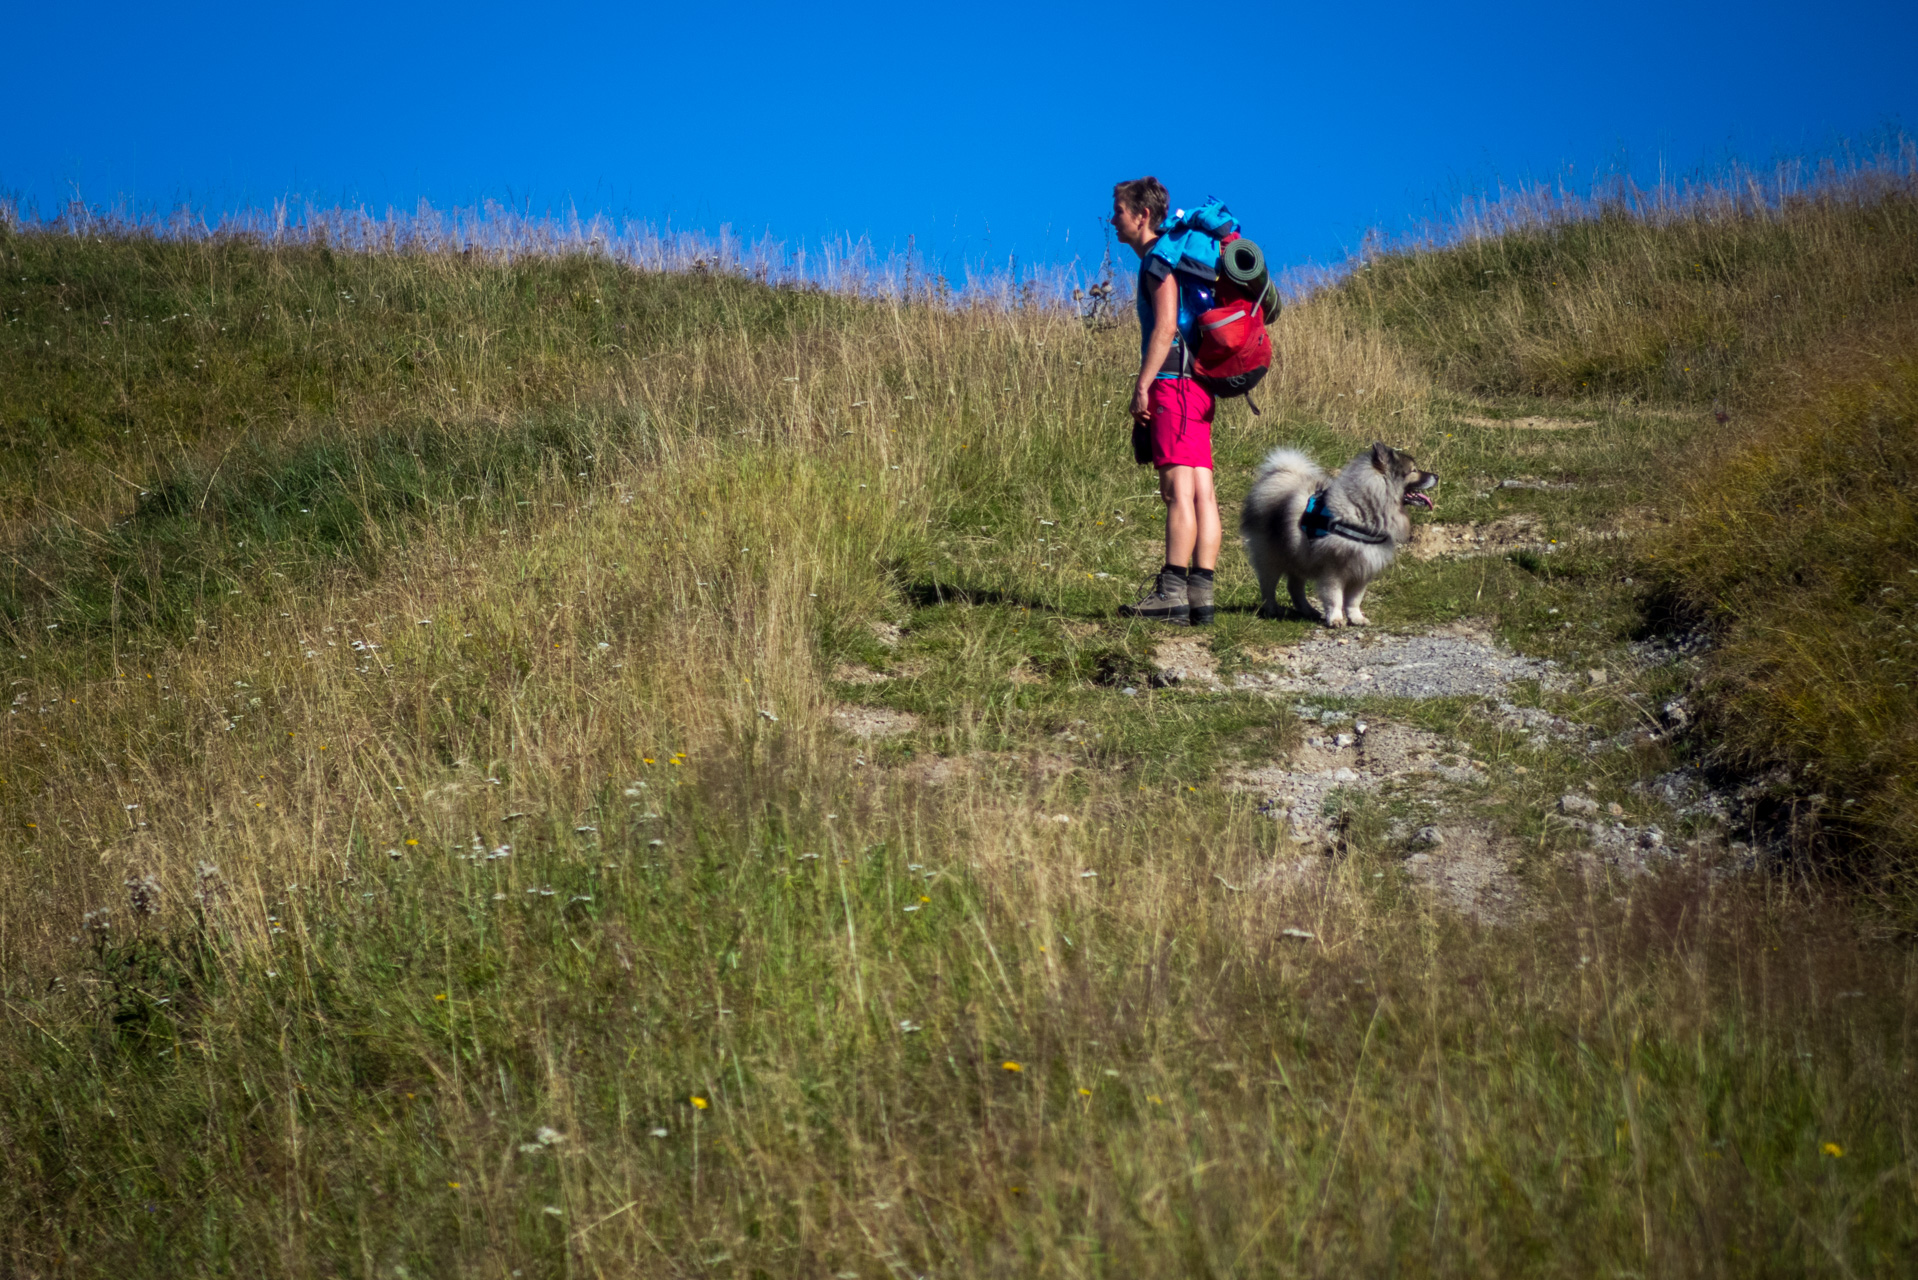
pixel 1178 490
pixel 1209 533
pixel 1332 596
pixel 1295 587
pixel 1355 592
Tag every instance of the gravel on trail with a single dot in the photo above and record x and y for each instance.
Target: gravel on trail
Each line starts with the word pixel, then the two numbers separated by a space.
pixel 1429 666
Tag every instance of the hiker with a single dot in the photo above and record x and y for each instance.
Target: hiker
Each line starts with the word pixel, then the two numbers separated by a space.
pixel 1172 413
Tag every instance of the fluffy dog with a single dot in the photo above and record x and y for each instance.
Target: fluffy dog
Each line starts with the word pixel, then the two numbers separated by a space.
pixel 1337 531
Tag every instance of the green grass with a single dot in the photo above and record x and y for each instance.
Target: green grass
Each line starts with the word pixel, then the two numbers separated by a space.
pixel 771 999
pixel 1704 302
pixel 1802 553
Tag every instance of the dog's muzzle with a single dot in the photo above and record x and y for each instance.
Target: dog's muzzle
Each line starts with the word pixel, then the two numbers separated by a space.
pixel 1416 495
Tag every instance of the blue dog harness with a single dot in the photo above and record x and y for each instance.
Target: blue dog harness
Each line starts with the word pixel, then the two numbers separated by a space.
pixel 1316 522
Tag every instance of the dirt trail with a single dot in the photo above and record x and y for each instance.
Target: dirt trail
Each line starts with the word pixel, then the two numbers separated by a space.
pixel 1455 852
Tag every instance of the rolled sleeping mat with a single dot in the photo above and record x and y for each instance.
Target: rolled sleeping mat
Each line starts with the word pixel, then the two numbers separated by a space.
pixel 1269 302
pixel 1243 263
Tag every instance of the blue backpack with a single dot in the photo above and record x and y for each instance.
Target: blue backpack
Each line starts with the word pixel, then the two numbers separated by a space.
pixel 1224 295
pixel 1189 244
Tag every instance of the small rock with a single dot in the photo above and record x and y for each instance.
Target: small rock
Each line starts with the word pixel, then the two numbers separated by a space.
pixel 1296 933
pixel 1430 837
pixel 1676 713
pixel 1344 775
pixel 1571 802
pixel 1344 740
pixel 1616 809
pixel 1420 858
pixel 1651 839
pixel 1598 676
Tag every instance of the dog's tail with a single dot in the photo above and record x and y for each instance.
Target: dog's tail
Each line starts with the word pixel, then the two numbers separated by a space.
pixel 1291 467
pixel 1284 473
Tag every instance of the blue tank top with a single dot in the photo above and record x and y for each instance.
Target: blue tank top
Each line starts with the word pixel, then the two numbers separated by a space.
pixel 1195 298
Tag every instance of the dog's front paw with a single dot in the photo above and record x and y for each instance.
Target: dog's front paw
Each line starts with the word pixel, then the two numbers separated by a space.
pixel 1356 618
pixel 1335 620
pixel 1270 611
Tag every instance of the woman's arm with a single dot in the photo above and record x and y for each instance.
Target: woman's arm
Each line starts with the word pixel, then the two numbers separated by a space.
pixel 1165 327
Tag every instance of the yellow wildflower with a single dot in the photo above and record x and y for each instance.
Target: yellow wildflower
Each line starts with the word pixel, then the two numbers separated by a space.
pixel 1012 1066
pixel 1833 1149
pixel 700 1103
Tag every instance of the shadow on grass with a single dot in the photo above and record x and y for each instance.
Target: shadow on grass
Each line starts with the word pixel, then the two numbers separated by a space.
pixel 924 593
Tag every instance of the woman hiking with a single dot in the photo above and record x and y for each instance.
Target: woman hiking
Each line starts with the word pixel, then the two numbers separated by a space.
pixel 1174 409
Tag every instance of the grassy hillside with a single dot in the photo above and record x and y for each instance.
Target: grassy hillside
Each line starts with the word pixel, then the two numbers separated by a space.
pixel 435 845
pixel 1800 550
pixel 1662 302
pixel 1795 318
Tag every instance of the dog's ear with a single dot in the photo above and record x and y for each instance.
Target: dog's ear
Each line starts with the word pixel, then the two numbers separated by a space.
pixel 1382 457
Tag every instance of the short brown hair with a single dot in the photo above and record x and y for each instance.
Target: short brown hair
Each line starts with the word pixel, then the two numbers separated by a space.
pixel 1145 195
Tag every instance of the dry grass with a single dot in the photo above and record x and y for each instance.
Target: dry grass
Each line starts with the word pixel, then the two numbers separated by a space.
pixel 1800 548
pixel 1655 298
pixel 787 1009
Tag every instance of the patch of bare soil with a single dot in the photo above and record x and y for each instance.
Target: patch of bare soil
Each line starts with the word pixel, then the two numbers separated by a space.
pixel 1464 867
pixel 939 771
pixel 1025 673
pixel 1187 661
pixel 874 722
pixel 1296 792
pixel 1495 537
pixel 1461 864
pixel 1450 663
pixel 856 673
pixel 1528 424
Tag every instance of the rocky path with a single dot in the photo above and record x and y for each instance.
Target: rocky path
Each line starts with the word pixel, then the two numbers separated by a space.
pixel 1453 849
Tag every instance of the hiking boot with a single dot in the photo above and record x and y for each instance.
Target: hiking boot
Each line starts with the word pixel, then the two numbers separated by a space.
pixel 1198 594
pixel 1167 603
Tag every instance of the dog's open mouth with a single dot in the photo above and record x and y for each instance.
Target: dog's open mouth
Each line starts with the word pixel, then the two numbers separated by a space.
pixel 1418 498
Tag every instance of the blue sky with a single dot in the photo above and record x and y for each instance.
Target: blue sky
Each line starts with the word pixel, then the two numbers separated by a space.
pixel 983 130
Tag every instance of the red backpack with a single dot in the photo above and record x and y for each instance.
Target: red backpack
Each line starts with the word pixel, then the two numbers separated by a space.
pixel 1233 351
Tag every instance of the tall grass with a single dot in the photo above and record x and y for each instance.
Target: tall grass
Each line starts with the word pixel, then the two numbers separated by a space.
pixel 501 233
pixel 432 850
pixel 1800 549
pixel 1663 296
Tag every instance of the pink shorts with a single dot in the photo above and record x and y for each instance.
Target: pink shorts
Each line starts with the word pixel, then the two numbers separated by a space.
pixel 1181 423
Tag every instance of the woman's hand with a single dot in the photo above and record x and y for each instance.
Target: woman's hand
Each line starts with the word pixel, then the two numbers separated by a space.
pixel 1142 402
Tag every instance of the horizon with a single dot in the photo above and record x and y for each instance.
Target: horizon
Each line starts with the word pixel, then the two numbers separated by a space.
pixel 952 167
